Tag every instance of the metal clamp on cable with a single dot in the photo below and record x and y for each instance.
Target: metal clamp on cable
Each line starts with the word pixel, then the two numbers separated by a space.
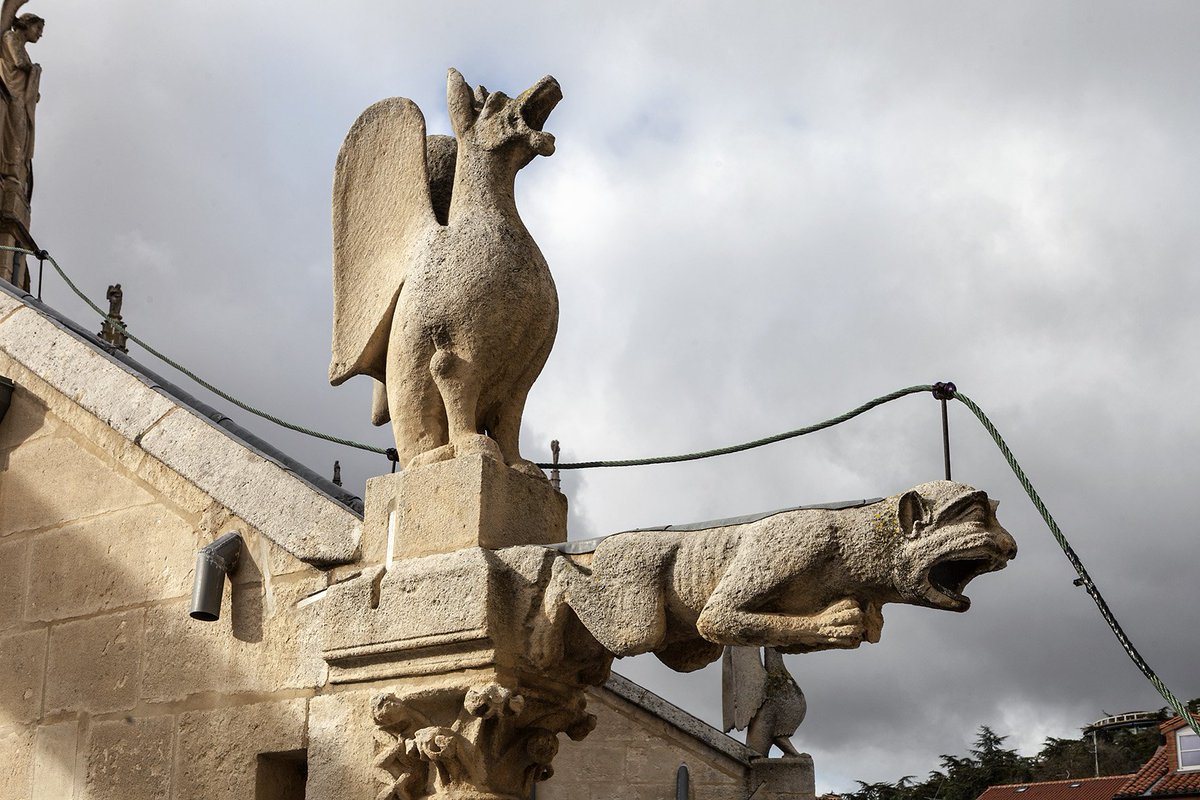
pixel 944 391
pixel 213 563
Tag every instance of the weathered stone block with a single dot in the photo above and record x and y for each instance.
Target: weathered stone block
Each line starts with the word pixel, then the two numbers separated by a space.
pixel 789 778
pixel 434 614
pixel 16 763
pixel 262 643
pixel 8 305
pixel 269 558
pixel 117 559
pixel 341 747
pixel 255 488
pixel 22 665
pixel 95 664
pixel 53 480
pixel 589 765
pixel 379 518
pixel 470 501
pixel 14 569
pixel 129 759
pixel 90 379
pixel 173 487
pixel 222 747
pixel 652 762
pixel 439 602
pixel 54 766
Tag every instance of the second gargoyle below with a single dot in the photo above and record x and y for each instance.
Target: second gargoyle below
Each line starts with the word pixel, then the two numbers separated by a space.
pixel 443 296
pixel 799 580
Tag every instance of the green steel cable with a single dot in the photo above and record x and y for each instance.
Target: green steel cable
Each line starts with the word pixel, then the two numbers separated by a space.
pixel 171 362
pixel 636 462
pixel 737 448
pixel 1085 579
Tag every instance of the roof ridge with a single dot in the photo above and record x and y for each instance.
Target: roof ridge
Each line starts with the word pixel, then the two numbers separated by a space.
pixel 186 435
pixel 185 399
pixel 1063 780
pixel 682 720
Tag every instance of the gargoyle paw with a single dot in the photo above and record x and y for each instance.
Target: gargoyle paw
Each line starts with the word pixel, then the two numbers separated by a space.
pixel 842 624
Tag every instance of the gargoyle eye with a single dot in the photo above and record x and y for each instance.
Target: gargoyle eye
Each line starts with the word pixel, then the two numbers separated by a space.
pixel 970 513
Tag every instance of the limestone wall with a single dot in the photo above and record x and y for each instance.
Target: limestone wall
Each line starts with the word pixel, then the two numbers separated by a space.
pixel 109 689
pixel 633 755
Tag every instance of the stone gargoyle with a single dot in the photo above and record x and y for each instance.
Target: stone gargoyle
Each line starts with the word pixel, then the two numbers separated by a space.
pixel 443 295
pixel 799 580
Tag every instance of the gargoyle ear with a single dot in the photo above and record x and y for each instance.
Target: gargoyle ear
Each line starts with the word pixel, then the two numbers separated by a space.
pixel 911 514
pixel 460 102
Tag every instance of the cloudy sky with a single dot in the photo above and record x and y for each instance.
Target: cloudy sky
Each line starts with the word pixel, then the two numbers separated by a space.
pixel 757 218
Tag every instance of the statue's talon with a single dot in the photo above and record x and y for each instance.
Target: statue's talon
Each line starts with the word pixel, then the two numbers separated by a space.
pixel 477 444
pixel 443 453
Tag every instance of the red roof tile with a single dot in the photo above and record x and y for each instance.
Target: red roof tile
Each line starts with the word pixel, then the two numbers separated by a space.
pixel 1077 789
pixel 1150 773
pixel 1158 777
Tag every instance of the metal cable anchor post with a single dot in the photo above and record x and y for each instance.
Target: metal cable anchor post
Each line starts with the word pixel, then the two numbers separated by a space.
pixel 943 392
pixel 42 255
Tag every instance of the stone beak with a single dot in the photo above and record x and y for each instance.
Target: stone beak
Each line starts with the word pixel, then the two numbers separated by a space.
pixel 536 103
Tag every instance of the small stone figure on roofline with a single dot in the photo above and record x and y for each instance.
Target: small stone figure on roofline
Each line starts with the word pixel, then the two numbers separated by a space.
pixel 21 80
pixel 443 297
pixel 762 697
pixel 113 329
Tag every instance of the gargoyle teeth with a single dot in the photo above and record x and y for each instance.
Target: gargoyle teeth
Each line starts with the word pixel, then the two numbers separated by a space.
pixel 951 576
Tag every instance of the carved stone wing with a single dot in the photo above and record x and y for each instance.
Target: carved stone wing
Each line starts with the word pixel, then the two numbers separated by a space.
pixel 744 683
pixel 8 13
pixel 380 206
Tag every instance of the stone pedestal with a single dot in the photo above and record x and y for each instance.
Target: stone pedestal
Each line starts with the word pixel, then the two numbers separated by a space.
pixel 787 778
pixel 471 501
pixel 473 681
pixel 472 676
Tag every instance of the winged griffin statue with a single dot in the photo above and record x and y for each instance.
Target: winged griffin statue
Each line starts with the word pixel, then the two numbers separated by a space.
pixel 440 293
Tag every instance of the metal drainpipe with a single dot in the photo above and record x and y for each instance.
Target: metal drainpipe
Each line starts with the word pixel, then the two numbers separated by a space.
pixel 6 393
pixel 681 782
pixel 213 563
